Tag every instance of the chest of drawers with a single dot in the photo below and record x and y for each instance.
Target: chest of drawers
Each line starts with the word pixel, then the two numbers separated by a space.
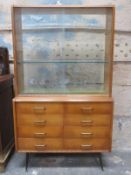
pixel 56 125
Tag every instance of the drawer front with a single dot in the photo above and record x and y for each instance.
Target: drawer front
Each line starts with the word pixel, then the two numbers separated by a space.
pixel 86 132
pixel 87 144
pixel 89 108
pixel 39 145
pixel 39 120
pixel 87 120
pixel 39 132
pixel 39 108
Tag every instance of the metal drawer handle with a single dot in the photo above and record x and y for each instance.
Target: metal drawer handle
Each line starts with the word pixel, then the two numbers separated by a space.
pixel 40 123
pixel 39 108
pixel 87 109
pixel 40 135
pixel 87 134
pixel 86 146
pixel 86 122
pixel 40 146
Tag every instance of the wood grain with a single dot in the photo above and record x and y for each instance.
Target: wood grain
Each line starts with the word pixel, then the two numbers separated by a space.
pixel 32 144
pixel 39 132
pixel 87 120
pixel 39 119
pixel 94 144
pixel 88 108
pixel 39 108
pixel 86 132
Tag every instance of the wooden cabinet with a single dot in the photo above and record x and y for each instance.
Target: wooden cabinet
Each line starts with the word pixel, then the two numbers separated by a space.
pixel 63 78
pixel 6 119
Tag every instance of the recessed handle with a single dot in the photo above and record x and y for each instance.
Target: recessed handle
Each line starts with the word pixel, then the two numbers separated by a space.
pixel 40 135
pixel 86 134
pixel 87 109
pixel 86 122
pixel 40 146
pixel 40 122
pixel 88 146
pixel 39 109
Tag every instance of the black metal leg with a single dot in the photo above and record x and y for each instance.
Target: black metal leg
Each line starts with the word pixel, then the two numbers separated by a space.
pixel 26 161
pixel 100 161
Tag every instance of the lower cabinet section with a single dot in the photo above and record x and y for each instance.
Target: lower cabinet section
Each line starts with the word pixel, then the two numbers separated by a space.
pixel 63 126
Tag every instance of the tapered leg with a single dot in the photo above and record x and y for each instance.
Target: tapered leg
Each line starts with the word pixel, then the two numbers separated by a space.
pixel 26 161
pixel 100 161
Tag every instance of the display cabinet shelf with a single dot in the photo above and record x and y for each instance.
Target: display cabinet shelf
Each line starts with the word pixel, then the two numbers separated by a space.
pixel 66 27
pixel 62 61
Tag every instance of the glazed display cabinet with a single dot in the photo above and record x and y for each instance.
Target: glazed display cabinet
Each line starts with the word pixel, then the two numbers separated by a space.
pixel 63 78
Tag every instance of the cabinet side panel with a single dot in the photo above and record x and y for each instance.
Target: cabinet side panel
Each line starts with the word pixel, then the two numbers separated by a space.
pixel 17 48
pixel 15 126
pixel 109 44
pixel 111 126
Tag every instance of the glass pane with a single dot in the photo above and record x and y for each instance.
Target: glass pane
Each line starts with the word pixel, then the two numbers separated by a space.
pixel 62 50
pixel 63 77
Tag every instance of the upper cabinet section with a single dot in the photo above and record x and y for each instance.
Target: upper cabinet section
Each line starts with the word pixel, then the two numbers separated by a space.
pixel 63 49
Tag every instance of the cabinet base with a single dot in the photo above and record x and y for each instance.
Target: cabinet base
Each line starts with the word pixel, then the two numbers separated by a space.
pixel 97 156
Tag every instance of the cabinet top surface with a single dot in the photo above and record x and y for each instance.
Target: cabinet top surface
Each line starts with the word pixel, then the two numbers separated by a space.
pixel 63 6
pixel 63 98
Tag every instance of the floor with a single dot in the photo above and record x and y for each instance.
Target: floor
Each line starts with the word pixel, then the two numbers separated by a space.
pixel 115 163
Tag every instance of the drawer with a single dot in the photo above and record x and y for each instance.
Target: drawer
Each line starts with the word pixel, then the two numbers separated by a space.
pixel 39 120
pixel 39 108
pixel 86 132
pixel 40 132
pixel 88 120
pixel 39 145
pixel 87 144
pixel 89 108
